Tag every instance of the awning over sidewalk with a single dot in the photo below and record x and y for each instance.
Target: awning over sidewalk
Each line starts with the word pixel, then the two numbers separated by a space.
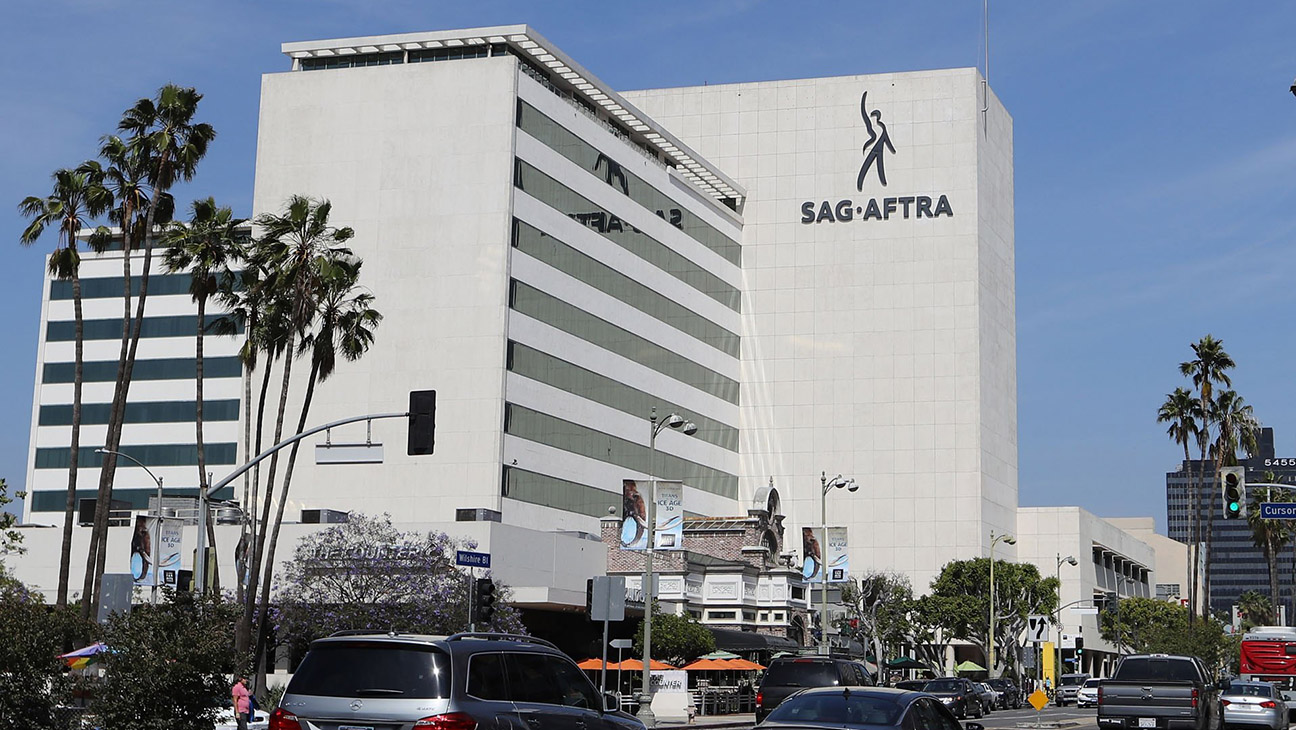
pixel 747 641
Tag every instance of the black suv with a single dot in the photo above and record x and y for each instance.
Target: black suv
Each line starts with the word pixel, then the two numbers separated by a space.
pixel 459 682
pixel 958 695
pixel 1010 697
pixel 787 675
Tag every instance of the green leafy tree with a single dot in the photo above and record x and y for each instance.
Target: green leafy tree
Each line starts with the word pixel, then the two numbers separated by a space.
pixel 676 639
pixel 878 608
pixel 168 665
pixel 33 681
pixel 1184 414
pixel 964 599
pixel 77 197
pixel 1148 625
pixel 1256 609
pixel 1209 367
pixel 10 538
pixel 366 574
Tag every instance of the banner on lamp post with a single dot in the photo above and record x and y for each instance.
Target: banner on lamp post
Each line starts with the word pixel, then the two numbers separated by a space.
pixel 812 556
pixel 837 560
pixel 634 516
pixel 669 534
pixel 167 553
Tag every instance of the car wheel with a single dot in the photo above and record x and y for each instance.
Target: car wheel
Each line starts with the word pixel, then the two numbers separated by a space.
pixel 963 712
pixel 980 711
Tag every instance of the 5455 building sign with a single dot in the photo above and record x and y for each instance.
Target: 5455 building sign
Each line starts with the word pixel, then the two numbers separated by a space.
pixel 874 151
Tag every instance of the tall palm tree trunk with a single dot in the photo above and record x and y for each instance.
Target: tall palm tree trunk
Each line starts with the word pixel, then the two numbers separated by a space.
pixel 1194 535
pixel 202 454
pixel 1210 534
pixel 69 508
pixel 283 500
pixel 243 632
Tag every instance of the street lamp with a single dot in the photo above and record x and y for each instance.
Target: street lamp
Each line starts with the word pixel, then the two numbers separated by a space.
pixel 994 540
pixel 157 535
pixel 837 483
pixel 1069 560
pixel 688 428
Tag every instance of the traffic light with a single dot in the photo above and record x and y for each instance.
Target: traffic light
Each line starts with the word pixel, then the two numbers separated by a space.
pixel 1079 645
pixel 1233 481
pixel 484 603
pixel 422 422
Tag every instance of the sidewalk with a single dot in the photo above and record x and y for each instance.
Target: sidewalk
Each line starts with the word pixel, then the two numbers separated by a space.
pixel 712 721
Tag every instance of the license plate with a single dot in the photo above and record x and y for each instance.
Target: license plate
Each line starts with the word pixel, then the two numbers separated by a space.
pixel 1147 722
pixel 355 727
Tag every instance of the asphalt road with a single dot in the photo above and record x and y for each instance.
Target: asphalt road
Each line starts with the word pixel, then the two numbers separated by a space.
pixel 1070 717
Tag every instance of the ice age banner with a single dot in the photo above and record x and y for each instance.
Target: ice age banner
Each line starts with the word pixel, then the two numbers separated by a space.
pixel 166 552
pixel 812 561
pixel 670 516
pixel 634 516
pixel 837 560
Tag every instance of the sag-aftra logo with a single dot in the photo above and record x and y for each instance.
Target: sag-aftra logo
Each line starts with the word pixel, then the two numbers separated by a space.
pixel 875 151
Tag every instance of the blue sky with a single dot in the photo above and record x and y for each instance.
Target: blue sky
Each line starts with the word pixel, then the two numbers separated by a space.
pixel 1155 169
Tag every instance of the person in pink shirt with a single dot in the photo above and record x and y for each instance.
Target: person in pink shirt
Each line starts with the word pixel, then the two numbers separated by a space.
pixel 242 702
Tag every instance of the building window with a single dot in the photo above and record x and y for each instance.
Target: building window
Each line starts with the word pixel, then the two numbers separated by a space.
pixel 798 593
pixel 155 412
pixel 720 615
pixel 747 616
pixel 105 371
pixel 152 454
pixel 779 616
pixel 533 488
pixel 355 60
pixel 111 329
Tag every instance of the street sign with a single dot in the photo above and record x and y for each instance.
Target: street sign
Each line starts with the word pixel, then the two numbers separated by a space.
pixel 1037 629
pixel 1277 511
pixel 1038 699
pixel 1085 610
pixel 621 643
pixel 609 600
pixel 471 559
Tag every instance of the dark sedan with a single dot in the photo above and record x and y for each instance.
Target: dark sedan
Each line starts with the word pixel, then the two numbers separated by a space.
pixel 958 695
pixel 862 707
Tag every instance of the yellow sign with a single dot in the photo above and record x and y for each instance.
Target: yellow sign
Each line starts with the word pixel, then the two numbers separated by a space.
pixel 1048 654
pixel 1038 699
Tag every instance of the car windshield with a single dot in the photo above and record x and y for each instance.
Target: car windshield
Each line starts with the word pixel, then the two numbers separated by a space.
pixel 1070 679
pixel 837 708
pixel 1154 669
pixel 372 669
pixel 1093 683
pixel 1251 690
pixel 944 685
pixel 801 673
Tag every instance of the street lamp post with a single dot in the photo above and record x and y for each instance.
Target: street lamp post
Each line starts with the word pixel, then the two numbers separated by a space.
pixel 688 428
pixel 837 483
pixel 1069 560
pixel 1007 540
pixel 157 534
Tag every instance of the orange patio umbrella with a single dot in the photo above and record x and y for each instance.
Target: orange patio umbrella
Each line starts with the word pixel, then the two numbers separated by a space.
pixel 636 665
pixel 744 664
pixel 595 665
pixel 708 665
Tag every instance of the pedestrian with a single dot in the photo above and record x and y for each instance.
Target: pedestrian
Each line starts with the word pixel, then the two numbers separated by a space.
pixel 242 701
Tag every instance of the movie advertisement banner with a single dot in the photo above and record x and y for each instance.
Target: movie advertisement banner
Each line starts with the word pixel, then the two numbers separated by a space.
pixel 634 515
pixel 169 552
pixel 166 553
pixel 837 559
pixel 670 516
pixel 812 560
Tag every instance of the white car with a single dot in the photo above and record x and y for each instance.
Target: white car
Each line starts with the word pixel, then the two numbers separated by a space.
pixel 260 720
pixel 1087 695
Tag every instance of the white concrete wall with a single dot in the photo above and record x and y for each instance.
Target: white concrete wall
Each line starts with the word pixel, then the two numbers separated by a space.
pixel 880 349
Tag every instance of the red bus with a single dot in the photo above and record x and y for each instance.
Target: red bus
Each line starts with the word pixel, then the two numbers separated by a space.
pixel 1269 655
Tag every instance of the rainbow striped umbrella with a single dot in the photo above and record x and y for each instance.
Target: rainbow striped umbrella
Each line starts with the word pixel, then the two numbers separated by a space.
pixel 82 658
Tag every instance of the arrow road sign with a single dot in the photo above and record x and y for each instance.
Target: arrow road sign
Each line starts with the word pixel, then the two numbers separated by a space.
pixel 1037 629
pixel 1277 511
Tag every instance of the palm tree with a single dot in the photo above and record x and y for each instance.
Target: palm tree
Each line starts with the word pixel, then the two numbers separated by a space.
pixel 1210 366
pixel 295 251
pixel 1182 411
pixel 77 197
pixel 205 247
pixel 344 324
pixel 1271 536
pixel 163 140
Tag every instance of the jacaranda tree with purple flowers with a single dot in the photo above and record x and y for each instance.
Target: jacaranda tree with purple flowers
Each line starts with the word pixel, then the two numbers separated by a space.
pixel 366 574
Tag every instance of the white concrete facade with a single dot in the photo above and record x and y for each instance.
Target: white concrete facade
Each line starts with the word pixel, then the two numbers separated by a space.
pixel 1172 568
pixel 882 349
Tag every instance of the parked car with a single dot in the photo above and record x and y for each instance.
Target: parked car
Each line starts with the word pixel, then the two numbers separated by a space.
pixel 449 682
pixel 1256 704
pixel 958 695
pixel 790 674
pixel 1087 695
pixel 913 685
pixel 871 708
pixel 1160 691
pixel 1010 697
pixel 1068 686
pixel 989 698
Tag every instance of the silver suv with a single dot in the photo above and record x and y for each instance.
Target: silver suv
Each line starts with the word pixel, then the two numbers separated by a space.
pixel 369 681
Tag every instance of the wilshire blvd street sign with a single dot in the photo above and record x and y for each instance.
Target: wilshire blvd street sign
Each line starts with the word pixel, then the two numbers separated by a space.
pixel 1277 511
pixel 471 559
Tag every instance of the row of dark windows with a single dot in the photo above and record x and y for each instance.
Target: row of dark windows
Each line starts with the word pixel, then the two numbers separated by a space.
pixel 392 58
pixel 110 287
pixel 184 325
pixel 533 488
pixel 177 368
pixel 602 166
pixel 147 412
pixel 550 250
pixel 555 312
pixel 152 454
pixel 355 60
pixel 545 368
pixel 563 199
pixel 55 500
pixel 584 441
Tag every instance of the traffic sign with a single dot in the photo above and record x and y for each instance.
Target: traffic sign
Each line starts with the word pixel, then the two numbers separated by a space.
pixel 1037 629
pixel 1277 511
pixel 1038 699
pixel 471 559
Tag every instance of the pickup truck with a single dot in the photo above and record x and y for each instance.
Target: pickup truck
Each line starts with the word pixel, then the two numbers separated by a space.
pixel 1161 692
